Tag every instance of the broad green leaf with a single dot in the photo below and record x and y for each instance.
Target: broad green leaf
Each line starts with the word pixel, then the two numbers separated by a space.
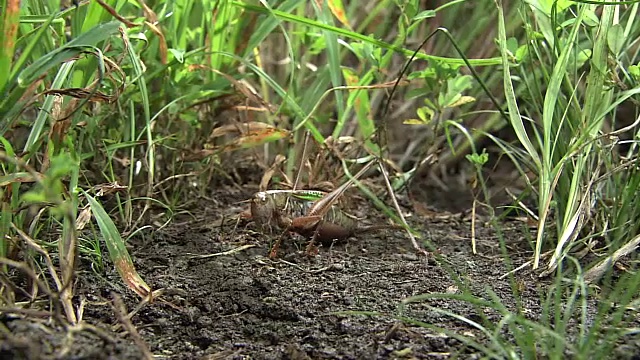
pixel 425 114
pixel 546 5
pixel 616 39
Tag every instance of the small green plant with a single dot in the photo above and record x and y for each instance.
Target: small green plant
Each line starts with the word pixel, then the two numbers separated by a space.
pixel 443 89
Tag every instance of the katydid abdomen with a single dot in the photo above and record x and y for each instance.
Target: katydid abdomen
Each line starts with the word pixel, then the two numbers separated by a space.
pixel 334 225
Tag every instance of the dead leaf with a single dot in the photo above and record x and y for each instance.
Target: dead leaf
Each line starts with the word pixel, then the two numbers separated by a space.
pixel 266 178
pixel 337 9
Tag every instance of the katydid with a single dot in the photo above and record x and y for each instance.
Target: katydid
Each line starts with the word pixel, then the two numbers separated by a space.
pixel 312 214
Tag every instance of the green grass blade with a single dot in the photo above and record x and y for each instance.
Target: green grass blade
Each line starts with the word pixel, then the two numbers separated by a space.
pixel 140 80
pixel 38 125
pixel 117 249
pixel 267 25
pixel 33 43
pixel 510 96
pixel 333 54
pixel 368 39
pixel 548 171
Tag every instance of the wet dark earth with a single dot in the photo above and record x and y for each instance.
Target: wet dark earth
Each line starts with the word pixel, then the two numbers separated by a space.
pixel 348 302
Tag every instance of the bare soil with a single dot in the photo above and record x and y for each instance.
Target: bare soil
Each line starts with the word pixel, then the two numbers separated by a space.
pixel 344 303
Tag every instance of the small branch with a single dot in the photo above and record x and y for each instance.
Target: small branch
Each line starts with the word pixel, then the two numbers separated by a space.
pixel 121 312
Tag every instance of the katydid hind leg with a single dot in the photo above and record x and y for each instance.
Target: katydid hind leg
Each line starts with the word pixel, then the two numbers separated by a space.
pixel 305 224
pixel 303 158
pixel 322 206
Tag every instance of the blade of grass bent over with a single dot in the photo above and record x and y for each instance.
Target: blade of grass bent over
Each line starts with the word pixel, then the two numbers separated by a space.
pixel 117 249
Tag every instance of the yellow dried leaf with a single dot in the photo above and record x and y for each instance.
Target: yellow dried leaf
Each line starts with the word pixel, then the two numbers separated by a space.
pixel 337 9
pixel 461 101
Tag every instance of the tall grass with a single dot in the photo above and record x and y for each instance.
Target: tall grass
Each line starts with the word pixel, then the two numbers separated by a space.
pixel 566 121
pixel 567 83
pixel 563 97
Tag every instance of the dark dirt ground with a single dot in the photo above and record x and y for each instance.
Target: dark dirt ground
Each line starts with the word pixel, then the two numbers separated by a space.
pixel 246 306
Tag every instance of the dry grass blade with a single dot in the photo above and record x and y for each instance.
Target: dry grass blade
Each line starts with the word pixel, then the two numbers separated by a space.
pixel 32 275
pixel 63 287
pixel 9 27
pixel 414 241
pixel 115 14
pixel 595 273
pixel 266 178
pixel 224 253
pixel 40 250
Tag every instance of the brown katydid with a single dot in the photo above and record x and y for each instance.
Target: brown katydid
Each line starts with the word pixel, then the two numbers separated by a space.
pixel 310 213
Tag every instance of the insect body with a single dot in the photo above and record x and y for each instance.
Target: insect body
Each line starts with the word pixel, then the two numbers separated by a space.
pixel 312 214
pixel 290 210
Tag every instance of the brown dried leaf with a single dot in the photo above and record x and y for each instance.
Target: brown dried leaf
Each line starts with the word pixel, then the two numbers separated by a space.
pixel 83 218
pixel 266 178
pixel 108 188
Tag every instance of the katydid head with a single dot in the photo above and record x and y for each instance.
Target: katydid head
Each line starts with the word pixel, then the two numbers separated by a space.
pixel 263 207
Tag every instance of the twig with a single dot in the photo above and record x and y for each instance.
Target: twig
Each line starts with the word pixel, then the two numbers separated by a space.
pixel 229 252
pixel 121 312
pixel 595 273
pixel 473 227
pixel 414 242
pixel 27 312
pixel 64 288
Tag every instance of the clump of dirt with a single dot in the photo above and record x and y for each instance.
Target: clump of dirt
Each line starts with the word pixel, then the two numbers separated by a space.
pixel 343 303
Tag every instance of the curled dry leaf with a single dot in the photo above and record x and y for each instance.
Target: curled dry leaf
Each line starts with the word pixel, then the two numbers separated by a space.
pixel 239 129
pixel 83 217
pixel 337 9
pixel 244 136
pixel 247 90
pixel 109 188
pixel 248 135
pixel 266 178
